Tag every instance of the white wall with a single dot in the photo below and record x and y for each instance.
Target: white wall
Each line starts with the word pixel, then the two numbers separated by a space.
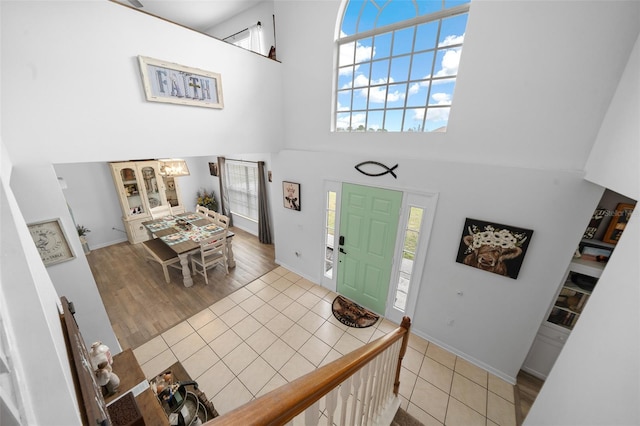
pixel 526 101
pixel 29 314
pixel 497 318
pixel 534 82
pixel 92 197
pixel 596 378
pixel 81 87
pixel 618 166
pixel 40 198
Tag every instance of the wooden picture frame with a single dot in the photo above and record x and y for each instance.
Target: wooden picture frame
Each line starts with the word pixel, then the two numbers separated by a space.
pixel 177 84
pixel 51 241
pixel 213 169
pixel 618 222
pixel 291 195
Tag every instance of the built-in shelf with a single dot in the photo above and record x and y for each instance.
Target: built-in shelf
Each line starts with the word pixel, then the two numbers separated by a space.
pixel 571 299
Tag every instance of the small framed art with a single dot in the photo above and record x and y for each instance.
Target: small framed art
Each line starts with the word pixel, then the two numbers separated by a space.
pixel 618 222
pixel 51 241
pixel 291 195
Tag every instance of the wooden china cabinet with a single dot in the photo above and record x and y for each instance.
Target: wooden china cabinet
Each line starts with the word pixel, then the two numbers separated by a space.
pixel 140 188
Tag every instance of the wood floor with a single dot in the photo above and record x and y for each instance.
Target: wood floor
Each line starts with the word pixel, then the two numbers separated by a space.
pixel 141 305
pixel 528 388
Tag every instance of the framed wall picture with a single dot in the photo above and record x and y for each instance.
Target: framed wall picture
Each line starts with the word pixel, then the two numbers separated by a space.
pixel 51 241
pixel 177 84
pixel 213 169
pixel 618 222
pixel 493 247
pixel 291 195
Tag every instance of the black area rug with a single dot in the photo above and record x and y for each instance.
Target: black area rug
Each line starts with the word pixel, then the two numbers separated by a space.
pixel 351 314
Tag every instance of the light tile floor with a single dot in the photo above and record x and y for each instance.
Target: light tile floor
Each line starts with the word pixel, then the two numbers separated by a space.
pixel 280 326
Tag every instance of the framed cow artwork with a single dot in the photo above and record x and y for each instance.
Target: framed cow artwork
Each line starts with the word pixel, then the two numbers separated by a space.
pixel 493 247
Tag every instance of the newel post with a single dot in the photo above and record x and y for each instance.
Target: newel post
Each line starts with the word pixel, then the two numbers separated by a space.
pixel 406 324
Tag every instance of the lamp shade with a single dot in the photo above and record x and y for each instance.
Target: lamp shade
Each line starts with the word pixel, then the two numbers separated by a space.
pixel 173 167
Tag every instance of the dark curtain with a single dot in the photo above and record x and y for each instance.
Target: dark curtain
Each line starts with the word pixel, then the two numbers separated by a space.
pixel 224 197
pixel 264 227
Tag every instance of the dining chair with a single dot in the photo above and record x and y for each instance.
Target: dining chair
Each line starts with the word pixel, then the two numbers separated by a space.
pixel 213 252
pixel 160 211
pixel 222 221
pixel 212 214
pixel 161 253
pixel 201 209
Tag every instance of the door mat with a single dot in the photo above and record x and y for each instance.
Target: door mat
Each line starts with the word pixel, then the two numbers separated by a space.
pixel 351 314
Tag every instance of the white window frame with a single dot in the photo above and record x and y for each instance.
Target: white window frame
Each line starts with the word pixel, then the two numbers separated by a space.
pixel 384 110
pixel 251 198
pixel 427 202
pixel 331 283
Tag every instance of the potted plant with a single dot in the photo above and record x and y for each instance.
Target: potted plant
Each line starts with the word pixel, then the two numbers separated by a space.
pixel 207 199
pixel 82 233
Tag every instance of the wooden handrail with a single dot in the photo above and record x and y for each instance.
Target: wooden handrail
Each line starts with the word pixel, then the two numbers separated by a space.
pixel 284 403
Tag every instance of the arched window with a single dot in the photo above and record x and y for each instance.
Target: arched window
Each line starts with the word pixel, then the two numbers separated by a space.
pixel 397 64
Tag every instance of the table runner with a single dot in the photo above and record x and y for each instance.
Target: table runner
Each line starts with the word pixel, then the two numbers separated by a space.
pixel 201 228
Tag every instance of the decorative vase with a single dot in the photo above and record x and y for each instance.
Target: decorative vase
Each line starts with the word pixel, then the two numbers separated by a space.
pixel 85 244
pixel 100 354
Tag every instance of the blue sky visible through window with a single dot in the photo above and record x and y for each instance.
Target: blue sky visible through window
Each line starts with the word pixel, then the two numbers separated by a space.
pixel 401 79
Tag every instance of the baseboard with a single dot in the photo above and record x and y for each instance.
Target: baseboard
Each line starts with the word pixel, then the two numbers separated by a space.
pixel 507 378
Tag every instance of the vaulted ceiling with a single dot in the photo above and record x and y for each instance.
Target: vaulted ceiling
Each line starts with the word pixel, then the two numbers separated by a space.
pixel 199 15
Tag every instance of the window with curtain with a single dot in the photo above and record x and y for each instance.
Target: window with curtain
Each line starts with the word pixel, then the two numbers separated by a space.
pixel 250 39
pixel 242 181
pixel 398 63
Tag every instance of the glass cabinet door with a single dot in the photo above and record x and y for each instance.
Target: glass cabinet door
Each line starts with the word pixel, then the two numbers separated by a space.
pixel 171 191
pixel 151 187
pixel 131 187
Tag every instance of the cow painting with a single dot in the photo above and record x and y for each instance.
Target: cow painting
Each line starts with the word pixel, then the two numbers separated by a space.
pixel 493 247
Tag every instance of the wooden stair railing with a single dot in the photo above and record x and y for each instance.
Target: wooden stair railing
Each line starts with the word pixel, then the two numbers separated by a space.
pixel 281 405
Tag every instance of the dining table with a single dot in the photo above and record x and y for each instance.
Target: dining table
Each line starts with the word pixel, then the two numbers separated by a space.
pixel 183 233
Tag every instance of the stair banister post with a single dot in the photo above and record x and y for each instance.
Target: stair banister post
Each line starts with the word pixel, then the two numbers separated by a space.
pixel 406 324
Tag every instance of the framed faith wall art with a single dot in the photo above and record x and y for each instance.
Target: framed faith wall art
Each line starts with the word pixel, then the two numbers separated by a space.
pixel 177 84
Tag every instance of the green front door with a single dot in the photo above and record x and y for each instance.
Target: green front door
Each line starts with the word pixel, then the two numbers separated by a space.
pixel 368 228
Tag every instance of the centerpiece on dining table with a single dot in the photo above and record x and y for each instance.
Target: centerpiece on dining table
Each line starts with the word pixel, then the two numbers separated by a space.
pixel 183 224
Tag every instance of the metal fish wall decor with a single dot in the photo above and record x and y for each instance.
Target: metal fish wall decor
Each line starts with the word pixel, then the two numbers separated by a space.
pixel 361 168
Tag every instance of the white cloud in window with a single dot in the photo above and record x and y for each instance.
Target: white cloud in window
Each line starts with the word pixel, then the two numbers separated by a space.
pixel 363 53
pixel 450 62
pixel 438 115
pixel 441 98
pixel 418 114
pixel 378 94
pixel 451 40
pixel 356 121
pixel 435 114
pixel 361 80
pixel 415 87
